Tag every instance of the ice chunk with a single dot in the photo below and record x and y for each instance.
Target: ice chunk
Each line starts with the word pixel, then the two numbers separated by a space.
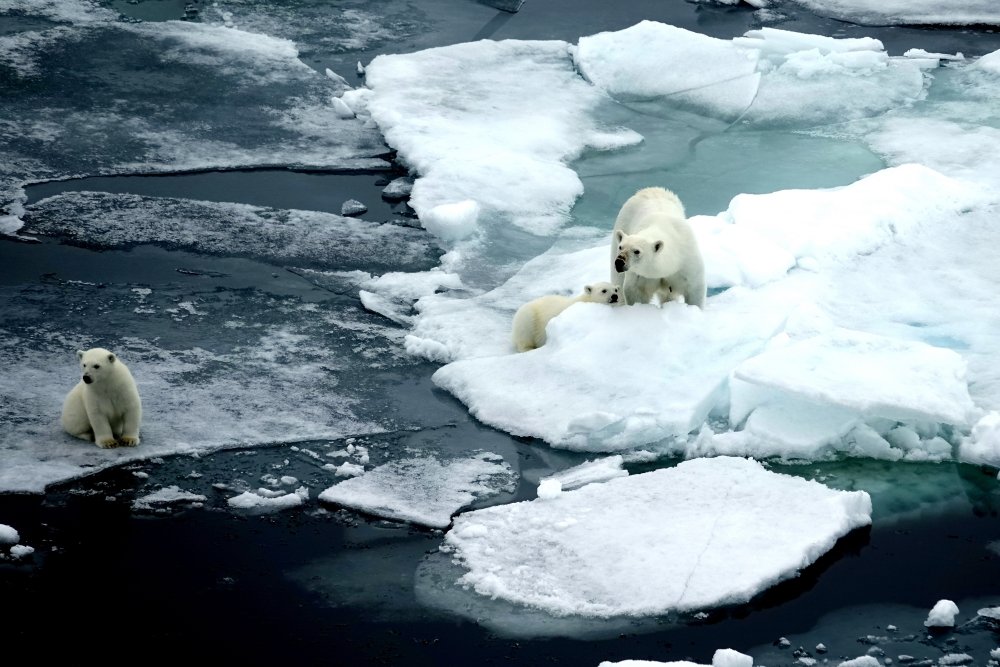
pixel 942 615
pixel 727 657
pixel 352 207
pixel 248 500
pixel 398 189
pixel 549 488
pixel 862 661
pixel 983 445
pixel 168 495
pixel 989 62
pixel 874 376
pixel 621 558
pixel 423 490
pixel 597 470
pixel 341 108
pixel 8 535
pixel 453 221
pixel 21 551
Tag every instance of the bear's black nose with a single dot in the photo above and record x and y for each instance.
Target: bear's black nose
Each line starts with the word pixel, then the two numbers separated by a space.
pixel 87 379
pixel 614 298
pixel 619 265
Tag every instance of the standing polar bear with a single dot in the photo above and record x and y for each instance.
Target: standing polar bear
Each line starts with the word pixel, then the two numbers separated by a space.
pixel 104 405
pixel 531 319
pixel 654 251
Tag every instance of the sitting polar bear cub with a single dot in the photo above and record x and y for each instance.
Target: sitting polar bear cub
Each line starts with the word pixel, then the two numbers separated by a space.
pixel 654 251
pixel 104 405
pixel 531 318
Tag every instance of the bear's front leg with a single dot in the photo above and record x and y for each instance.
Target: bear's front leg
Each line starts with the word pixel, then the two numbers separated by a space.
pixel 103 435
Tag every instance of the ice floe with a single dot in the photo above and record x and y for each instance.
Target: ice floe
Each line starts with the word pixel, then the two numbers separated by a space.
pixel 705 533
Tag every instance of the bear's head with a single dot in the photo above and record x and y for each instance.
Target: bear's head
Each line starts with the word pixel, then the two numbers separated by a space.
pixel 602 293
pixel 634 251
pixel 96 364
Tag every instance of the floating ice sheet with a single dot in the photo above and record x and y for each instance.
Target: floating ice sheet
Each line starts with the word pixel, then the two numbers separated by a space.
pixel 706 533
pixel 423 490
pixel 490 122
pixel 305 238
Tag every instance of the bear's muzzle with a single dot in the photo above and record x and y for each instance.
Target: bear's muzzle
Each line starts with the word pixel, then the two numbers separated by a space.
pixel 614 297
pixel 620 264
pixel 87 379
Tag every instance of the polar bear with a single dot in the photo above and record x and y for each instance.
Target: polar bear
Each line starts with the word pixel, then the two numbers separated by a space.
pixel 654 252
pixel 104 406
pixel 531 319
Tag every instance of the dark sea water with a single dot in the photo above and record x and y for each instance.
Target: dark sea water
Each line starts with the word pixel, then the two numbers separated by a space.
pixel 321 585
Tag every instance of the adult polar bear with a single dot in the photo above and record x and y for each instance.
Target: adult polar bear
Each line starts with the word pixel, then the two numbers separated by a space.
pixel 654 251
pixel 104 406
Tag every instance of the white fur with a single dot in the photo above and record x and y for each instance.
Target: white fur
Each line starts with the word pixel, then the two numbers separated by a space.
pixel 107 410
pixel 531 319
pixel 656 250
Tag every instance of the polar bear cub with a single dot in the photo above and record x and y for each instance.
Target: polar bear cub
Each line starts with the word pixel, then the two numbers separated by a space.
pixel 654 252
pixel 531 319
pixel 104 406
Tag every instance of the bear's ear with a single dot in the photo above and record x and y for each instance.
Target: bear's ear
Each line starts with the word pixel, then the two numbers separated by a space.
pixel 588 289
pixel 657 246
pixel 619 235
pixel 79 354
pixel 111 358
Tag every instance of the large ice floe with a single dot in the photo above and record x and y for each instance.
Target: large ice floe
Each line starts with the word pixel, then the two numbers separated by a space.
pixel 715 531
pixel 823 335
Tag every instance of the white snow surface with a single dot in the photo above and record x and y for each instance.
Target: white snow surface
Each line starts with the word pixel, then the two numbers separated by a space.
pixel 714 531
pixel 423 489
pixel 492 122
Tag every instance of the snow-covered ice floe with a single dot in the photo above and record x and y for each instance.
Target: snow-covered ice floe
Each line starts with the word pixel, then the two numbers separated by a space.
pixel 723 657
pixel 706 533
pixel 424 489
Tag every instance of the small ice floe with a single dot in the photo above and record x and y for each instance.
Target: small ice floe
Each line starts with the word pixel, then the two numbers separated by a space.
pixel 19 551
pixel 267 500
pixel 654 543
pixel 341 108
pixel 352 207
pixel 942 615
pixel 863 661
pixel 168 495
pixel 424 490
pixel 333 76
pixel 360 69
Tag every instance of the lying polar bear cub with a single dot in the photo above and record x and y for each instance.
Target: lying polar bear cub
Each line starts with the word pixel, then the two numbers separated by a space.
pixel 531 318
pixel 104 405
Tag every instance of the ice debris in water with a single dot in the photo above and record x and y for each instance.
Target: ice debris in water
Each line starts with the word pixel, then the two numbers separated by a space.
pixel 723 657
pixel 596 470
pixel 8 535
pixel 267 500
pixel 398 189
pixel 352 207
pixel 942 615
pixel 168 495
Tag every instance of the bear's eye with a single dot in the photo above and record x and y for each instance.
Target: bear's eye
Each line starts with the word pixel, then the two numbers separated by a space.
pixel 635 252
pixel 96 366
pixel 604 291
